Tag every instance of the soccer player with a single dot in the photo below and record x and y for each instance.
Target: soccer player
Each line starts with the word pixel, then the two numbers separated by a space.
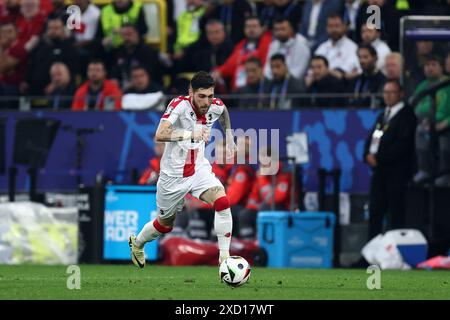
pixel 185 127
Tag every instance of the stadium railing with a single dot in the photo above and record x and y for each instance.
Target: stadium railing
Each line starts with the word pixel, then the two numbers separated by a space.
pixel 300 100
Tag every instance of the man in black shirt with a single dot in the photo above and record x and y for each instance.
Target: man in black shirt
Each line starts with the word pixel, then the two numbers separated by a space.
pixel 320 81
pixel 53 47
pixel 141 82
pixel 389 151
pixel 283 85
pixel 211 53
pixel 253 93
pixel 61 87
pixel 369 82
pixel 143 92
pixel 134 51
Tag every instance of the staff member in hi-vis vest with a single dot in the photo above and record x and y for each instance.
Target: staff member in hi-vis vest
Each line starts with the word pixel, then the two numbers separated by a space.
pixel 115 15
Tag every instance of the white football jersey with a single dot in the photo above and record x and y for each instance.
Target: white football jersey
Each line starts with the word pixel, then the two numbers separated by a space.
pixel 184 158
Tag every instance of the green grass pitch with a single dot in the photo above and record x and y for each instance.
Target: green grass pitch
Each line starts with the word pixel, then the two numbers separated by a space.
pixel 201 282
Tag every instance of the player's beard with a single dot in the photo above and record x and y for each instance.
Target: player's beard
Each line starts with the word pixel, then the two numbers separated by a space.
pixel 200 109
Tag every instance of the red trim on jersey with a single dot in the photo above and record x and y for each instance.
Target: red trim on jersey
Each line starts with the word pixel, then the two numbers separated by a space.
pixel 189 166
pixel 173 104
pixel 159 227
pixel 218 102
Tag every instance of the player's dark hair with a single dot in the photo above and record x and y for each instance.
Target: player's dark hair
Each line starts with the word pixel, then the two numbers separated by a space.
pixel 202 80
pixel 279 57
pixel 322 58
pixel 369 48
pixel 255 60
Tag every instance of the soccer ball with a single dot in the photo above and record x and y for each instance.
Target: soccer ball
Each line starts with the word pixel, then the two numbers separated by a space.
pixel 234 271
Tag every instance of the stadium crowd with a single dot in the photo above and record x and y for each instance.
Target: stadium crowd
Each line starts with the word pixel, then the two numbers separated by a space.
pixel 276 54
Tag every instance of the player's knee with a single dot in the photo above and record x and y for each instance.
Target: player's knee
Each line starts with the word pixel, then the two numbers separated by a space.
pixel 221 204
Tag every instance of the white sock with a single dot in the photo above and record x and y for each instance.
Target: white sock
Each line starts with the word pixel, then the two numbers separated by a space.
pixel 223 225
pixel 147 234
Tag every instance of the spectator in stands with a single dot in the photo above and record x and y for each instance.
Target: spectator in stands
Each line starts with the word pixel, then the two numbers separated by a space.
pixel 141 81
pixel 142 93
pixel 370 82
pixel 350 17
pixel 256 43
pixel 116 14
pixel 30 23
pixel 61 87
pixel 13 61
pixel 339 50
pixel 85 35
pixel 389 151
pixel 321 81
pixel 393 65
pixel 372 37
pixel 97 93
pixel 232 13
pixel 214 52
pixel 188 27
pixel 288 9
pixel 53 47
pixel 293 46
pixel 90 16
pixel 151 173
pixel 414 71
pixel 59 10
pixel 134 51
pixel 389 21
pixel 314 20
pixel 10 11
pixel 253 94
pixel 283 85
pixel 434 72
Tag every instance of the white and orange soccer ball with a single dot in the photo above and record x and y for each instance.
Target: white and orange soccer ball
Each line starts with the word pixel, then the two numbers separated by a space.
pixel 234 271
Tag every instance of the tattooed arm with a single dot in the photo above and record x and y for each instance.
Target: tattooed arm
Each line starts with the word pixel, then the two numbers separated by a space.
pixel 225 123
pixel 166 133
